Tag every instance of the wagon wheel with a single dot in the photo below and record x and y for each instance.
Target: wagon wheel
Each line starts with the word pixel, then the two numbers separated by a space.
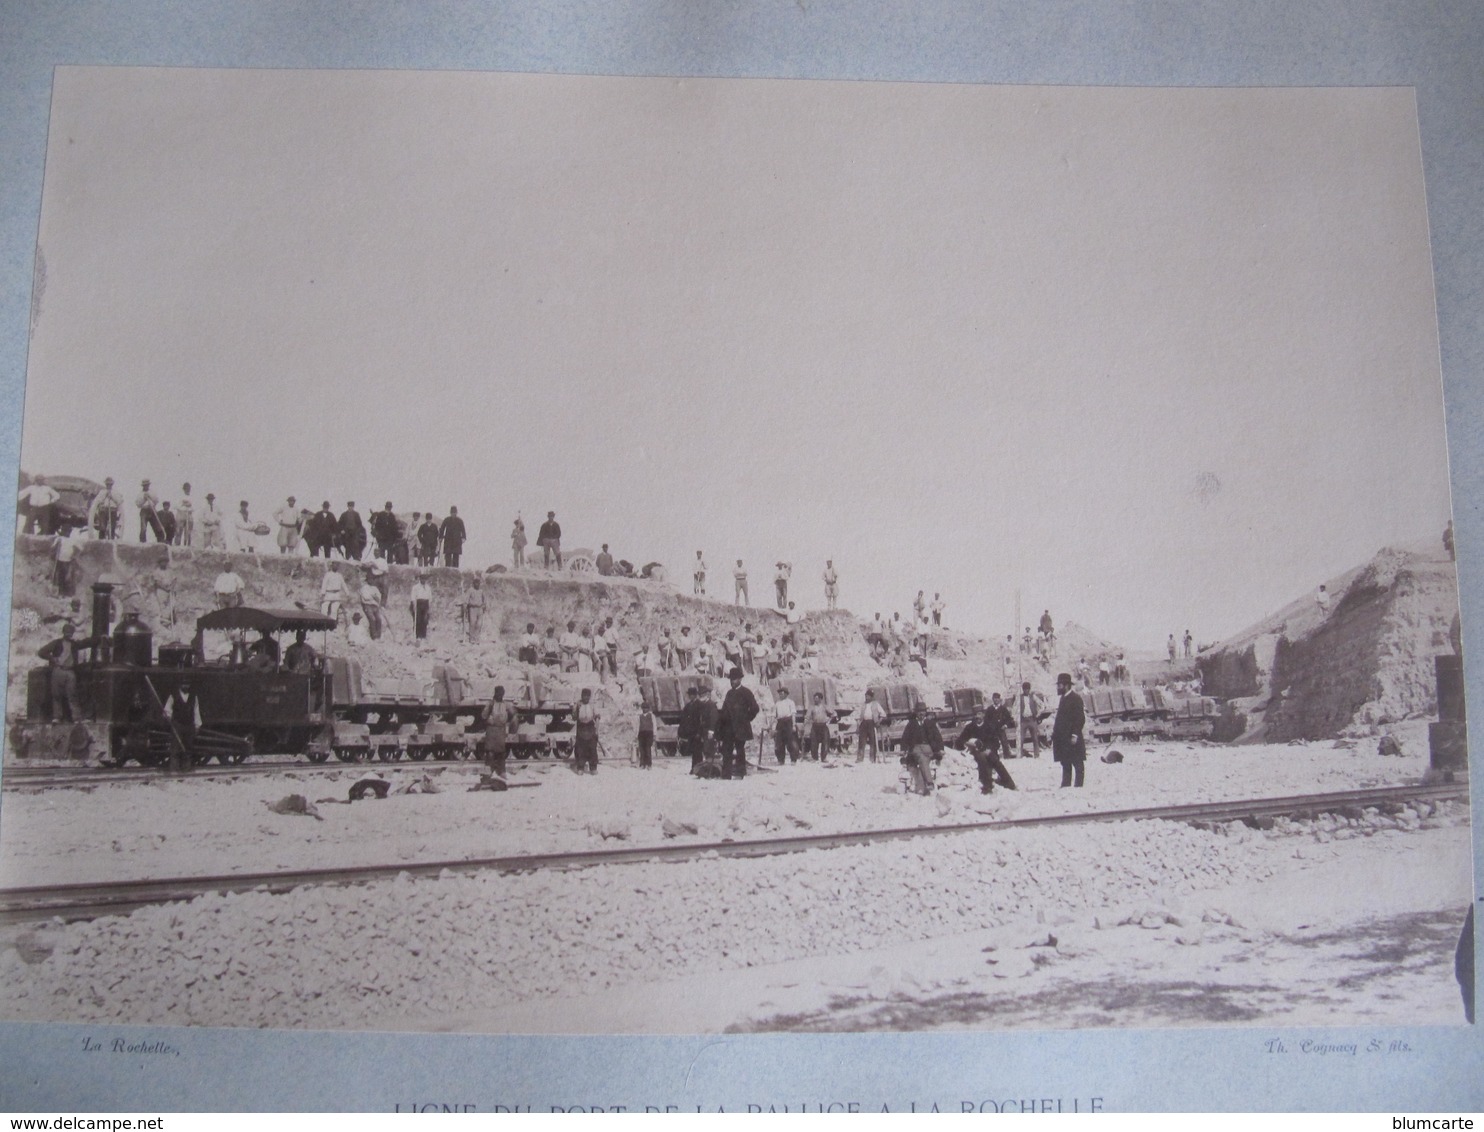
pixel 416 754
pixel 388 753
pixel 319 754
pixel 347 754
pixel 581 564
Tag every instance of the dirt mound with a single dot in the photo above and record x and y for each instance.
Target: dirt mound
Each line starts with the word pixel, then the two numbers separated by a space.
pixel 1308 672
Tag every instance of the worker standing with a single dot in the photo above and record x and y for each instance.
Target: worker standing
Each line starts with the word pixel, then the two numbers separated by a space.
pixel 585 741
pixel 290 523
pixel 872 716
pixel 1030 720
pixel 785 734
pixel 421 604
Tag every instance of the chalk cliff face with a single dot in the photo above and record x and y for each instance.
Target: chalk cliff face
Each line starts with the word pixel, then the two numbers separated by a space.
pixel 1308 673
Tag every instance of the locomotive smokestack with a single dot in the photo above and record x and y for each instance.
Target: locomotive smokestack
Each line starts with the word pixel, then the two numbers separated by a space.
pixel 102 616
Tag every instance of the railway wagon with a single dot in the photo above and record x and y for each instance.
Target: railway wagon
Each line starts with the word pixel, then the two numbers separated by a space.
pixel 442 719
pixel 1135 714
pixel 899 701
pixel 957 712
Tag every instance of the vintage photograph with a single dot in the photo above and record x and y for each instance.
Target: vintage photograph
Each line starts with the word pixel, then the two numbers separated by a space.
pixel 573 555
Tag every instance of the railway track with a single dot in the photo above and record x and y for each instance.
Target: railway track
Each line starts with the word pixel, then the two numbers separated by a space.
pixel 89 901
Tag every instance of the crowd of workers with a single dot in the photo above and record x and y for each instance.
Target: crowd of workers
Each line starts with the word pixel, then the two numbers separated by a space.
pixel 715 737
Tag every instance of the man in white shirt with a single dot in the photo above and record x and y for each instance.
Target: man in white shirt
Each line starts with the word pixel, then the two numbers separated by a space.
pixel 685 648
pixel 64 552
pixel 785 733
pixel 146 502
pixel 529 650
pixel 357 631
pixel 421 604
pixel 185 511
pixel 289 524
pixel 780 583
pixel 471 609
pixel 763 658
pixel 872 716
pixel 610 645
pixel 246 529
pixel 831 585
pixel 331 592
pixel 371 604
pixel 105 511
pixel 698 574
pixel 739 581
pixel 793 617
pixel 1030 723
pixel 211 526
pixel 937 608
pixel 39 506
pixel 228 589
pixel 572 645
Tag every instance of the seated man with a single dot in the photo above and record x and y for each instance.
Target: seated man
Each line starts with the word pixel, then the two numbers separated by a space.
pixel 923 743
pixel 300 656
pixel 982 740
pixel 262 654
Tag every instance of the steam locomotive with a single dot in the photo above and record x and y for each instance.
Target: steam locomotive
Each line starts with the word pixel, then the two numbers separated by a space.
pixel 242 696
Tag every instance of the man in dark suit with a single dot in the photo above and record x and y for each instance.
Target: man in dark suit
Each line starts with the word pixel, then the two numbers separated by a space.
pixel 385 529
pixel 982 740
pixel 453 535
pixel 351 533
pixel 320 530
pixel 923 743
pixel 734 726
pixel 1067 745
pixel 689 731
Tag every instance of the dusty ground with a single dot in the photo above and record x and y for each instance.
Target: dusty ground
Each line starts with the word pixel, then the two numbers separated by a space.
pixel 1147 923
pixel 212 826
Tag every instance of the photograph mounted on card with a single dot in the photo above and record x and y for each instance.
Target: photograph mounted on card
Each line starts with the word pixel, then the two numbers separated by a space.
pixel 549 554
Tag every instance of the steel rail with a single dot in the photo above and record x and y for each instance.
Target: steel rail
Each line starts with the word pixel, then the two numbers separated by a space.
pixel 87 901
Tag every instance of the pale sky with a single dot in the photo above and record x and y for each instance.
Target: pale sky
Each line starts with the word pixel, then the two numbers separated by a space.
pixel 1156 358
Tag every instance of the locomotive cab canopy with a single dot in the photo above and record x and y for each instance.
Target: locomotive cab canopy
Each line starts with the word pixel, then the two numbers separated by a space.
pixel 238 621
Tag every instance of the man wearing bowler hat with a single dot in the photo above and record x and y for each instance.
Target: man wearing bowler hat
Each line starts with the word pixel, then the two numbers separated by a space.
pixel 734 726
pixel 1067 744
